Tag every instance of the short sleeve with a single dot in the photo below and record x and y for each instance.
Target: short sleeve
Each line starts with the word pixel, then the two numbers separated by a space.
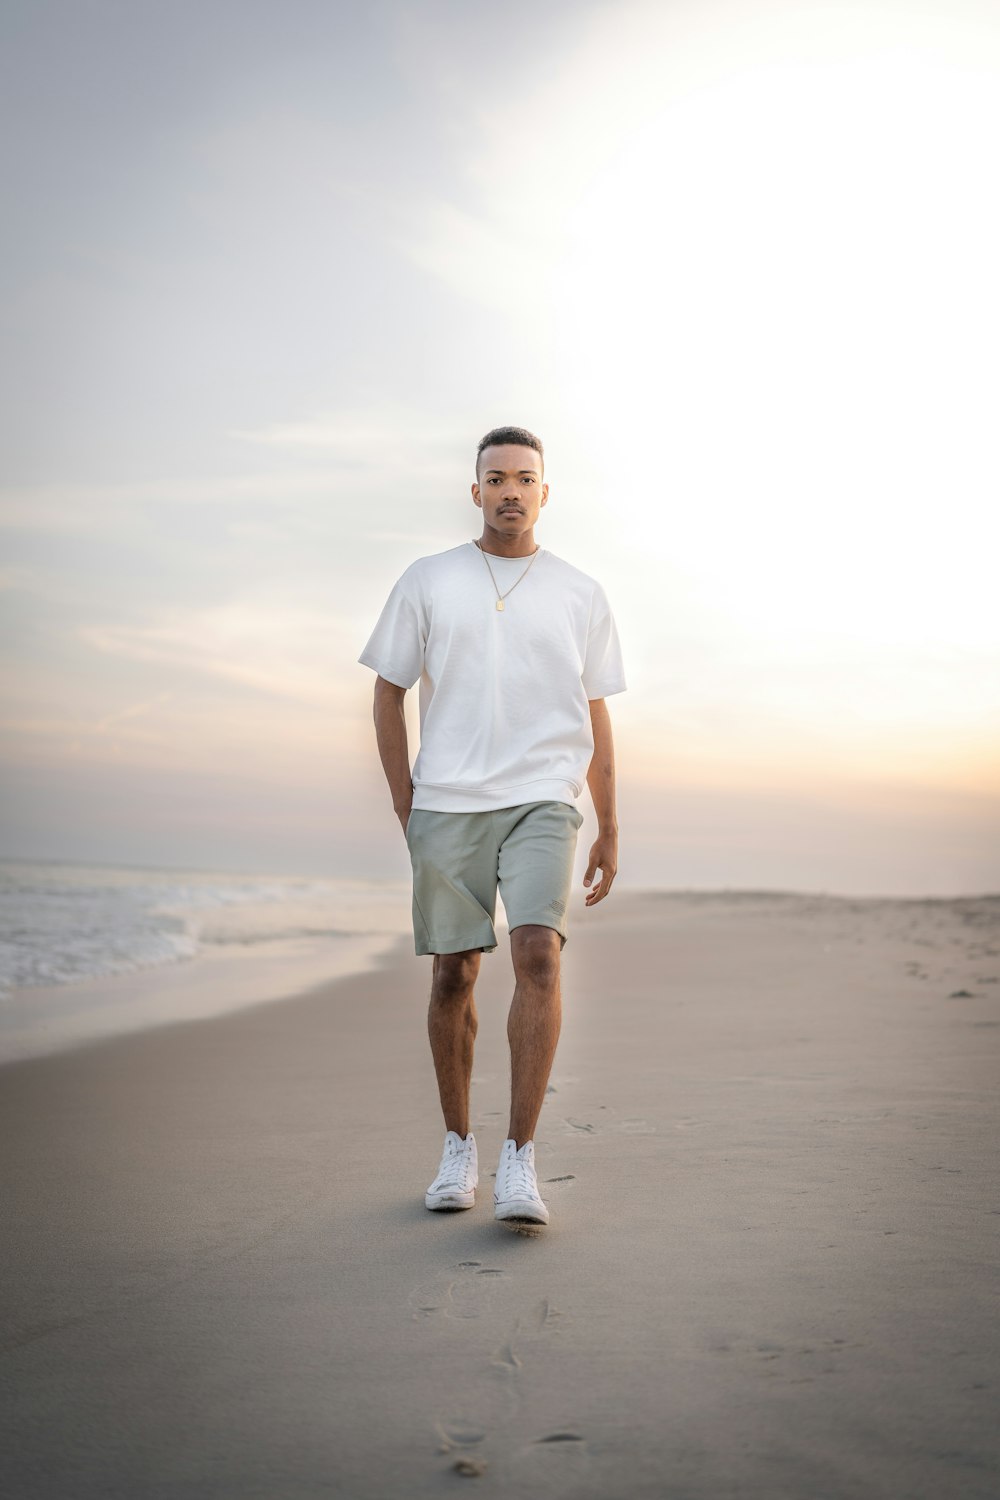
pixel 395 649
pixel 603 670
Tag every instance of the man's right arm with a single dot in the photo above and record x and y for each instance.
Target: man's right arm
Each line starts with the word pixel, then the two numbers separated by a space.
pixel 390 733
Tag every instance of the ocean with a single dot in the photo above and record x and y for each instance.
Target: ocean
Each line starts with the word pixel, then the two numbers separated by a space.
pixel 94 950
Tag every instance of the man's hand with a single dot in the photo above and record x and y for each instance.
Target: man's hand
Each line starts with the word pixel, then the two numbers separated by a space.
pixel 603 857
pixel 403 814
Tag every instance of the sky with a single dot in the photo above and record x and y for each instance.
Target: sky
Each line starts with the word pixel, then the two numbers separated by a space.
pixel 270 271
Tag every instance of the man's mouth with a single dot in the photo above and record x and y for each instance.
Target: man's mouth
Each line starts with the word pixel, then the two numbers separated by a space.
pixel 511 510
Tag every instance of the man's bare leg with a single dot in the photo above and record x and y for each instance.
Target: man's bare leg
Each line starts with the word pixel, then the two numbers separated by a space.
pixel 533 1025
pixel 452 1024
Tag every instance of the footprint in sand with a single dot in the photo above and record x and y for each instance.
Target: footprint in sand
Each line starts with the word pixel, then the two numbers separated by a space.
pixel 487 1404
pixel 492 1400
pixel 459 1435
pixel 467 1294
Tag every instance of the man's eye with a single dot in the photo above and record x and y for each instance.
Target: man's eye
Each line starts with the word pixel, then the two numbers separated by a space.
pixel 529 478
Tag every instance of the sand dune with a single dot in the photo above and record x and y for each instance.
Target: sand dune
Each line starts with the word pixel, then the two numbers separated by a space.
pixel 769 1152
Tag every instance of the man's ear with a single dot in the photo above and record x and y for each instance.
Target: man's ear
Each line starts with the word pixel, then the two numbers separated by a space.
pixel 476 496
pixel 545 494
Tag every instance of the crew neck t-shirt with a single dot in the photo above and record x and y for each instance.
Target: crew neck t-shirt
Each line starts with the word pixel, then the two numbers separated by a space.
pixel 504 711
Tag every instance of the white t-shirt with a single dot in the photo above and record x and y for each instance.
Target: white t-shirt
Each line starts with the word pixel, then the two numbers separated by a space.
pixel 504 713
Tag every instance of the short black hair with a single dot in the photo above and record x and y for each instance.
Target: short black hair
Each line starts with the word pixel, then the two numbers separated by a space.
pixel 518 435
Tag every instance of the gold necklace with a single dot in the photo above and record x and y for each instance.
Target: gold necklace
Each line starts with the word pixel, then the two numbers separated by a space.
pixel 502 597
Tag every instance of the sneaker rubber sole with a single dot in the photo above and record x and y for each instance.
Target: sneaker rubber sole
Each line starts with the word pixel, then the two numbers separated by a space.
pixel 450 1199
pixel 521 1211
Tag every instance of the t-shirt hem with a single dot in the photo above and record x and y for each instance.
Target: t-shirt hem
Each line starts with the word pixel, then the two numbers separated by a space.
pixel 434 798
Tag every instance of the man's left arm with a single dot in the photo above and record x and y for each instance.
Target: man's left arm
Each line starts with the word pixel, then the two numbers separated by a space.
pixel 601 780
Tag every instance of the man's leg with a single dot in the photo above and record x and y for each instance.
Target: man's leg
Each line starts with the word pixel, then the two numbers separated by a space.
pixel 533 1024
pixel 452 1025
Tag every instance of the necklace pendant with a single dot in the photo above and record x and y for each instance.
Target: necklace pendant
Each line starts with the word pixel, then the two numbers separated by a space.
pixel 499 604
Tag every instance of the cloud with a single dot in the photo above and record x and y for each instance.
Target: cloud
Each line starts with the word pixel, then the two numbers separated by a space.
pixel 374 436
pixel 131 711
pixel 369 447
pixel 285 654
pixel 82 508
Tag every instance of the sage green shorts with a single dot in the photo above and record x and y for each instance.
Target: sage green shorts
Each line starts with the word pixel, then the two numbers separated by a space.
pixel 460 859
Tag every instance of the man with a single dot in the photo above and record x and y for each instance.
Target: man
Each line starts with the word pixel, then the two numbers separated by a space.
pixel 515 651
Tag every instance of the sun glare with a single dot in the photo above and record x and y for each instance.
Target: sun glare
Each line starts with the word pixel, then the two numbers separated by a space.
pixel 779 297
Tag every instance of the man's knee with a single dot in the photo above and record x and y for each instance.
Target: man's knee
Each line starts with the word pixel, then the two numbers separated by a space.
pixel 535 954
pixel 454 975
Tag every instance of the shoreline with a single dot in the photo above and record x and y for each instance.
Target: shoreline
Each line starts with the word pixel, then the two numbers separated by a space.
pixel 217 981
pixel 225 979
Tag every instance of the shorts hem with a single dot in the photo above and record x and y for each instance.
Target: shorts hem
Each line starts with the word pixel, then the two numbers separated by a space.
pixel 429 947
pixel 536 922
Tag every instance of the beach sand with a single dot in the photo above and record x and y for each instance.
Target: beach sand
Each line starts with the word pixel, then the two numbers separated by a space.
pixel 769 1154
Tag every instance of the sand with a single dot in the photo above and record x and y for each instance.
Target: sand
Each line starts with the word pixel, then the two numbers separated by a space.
pixel 771 1271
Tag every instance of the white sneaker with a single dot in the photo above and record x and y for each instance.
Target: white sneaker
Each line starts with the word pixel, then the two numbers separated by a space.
pixel 516 1195
pixel 458 1175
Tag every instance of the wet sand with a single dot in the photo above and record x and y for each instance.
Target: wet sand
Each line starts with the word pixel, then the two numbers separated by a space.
pixel 769 1154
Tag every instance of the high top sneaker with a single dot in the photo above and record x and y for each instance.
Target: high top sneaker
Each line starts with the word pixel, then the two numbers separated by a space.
pixel 515 1194
pixel 458 1175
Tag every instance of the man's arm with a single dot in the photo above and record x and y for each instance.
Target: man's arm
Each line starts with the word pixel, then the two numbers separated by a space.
pixel 601 780
pixel 390 733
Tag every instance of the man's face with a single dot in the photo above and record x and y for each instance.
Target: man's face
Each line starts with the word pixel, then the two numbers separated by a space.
pixel 510 491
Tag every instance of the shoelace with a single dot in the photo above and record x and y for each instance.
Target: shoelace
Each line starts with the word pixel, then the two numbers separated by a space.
pixel 456 1171
pixel 521 1179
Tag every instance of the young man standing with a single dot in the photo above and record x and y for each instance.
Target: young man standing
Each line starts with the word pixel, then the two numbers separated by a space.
pixel 515 651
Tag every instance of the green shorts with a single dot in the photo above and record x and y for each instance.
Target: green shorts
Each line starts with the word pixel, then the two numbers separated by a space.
pixel 460 859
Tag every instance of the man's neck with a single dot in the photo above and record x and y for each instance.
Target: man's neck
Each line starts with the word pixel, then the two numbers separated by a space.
pixel 508 546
